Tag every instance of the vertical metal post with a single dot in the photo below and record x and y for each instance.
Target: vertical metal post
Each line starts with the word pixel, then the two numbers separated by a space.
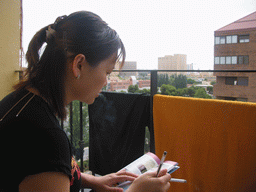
pixel 153 83
pixel 71 122
pixel 153 90
pixel 81 142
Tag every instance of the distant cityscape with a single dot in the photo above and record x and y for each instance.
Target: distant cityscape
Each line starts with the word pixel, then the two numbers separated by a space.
pixel 234 49
pixel 120 81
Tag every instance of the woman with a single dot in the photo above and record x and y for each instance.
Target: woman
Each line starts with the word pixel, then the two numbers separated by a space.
pixel 81 51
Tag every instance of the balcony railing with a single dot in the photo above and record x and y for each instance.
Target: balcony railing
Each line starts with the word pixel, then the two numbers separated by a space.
pixel 153 90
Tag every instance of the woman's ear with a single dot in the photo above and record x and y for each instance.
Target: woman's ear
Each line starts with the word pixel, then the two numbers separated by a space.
pixel 77 63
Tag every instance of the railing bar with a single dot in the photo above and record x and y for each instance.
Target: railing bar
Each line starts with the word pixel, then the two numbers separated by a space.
pixel 81 136
pixel 142 70
pixel 81 143
pixel 71 122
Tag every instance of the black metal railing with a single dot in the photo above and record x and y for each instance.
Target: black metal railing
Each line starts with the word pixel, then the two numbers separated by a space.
pixel 153 91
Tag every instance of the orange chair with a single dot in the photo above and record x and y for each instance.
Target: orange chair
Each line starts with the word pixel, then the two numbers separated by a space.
pixel 213 141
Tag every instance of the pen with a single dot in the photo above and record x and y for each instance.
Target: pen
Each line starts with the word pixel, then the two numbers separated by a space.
pixel 178 180
pixel 161 163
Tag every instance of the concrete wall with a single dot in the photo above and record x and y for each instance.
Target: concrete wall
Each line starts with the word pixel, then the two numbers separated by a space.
pixel 9 45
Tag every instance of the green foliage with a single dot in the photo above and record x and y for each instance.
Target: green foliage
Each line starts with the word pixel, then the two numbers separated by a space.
pixel 191 81
pixel 178 81
pixel 201 93
pixel 133 88
pixel 213 82
pixel 210 90
pixel 163 79
pixel 168 90
pixel 146 91
pixel 85 163
pixel 76 126
pixel 185 92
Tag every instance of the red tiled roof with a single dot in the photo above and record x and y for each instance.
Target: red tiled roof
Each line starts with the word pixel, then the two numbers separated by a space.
pixel 247 22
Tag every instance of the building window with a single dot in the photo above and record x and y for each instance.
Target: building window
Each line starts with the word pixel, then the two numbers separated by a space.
pixel 226 39
pixel 234 38
pixel 242 81
pixel 217 60
pixel 217 40
pixel 222 40
pixel 231 80
pixel 234 59
pixel 222 60
pixel 244 38
pixel 228 60
pixel 243 59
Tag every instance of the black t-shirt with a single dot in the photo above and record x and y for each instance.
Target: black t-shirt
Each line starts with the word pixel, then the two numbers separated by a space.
pixel 32 142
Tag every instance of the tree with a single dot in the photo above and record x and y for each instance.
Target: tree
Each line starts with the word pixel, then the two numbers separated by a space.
pixel 191 81
pixel 191 91
pixel 163 79
pixel 213 82
pixel 201 93
pixel 210 89
pixel 147 91
pixel 180 81
pixel 168 90
pixel 76 126
pixel 133 88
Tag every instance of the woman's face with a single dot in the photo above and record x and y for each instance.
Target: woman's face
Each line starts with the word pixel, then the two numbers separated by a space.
pixel 93 79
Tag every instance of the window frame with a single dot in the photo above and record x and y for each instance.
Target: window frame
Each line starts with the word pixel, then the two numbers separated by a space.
pixel 242 37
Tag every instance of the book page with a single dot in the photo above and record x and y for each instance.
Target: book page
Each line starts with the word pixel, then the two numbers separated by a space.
pixel 142 165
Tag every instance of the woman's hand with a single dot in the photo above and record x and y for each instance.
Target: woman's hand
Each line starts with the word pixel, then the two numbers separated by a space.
pixel 148 182
pixel 107 183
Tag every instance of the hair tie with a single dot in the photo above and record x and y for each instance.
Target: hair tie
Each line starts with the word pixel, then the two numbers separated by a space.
pixel 59 19
pixel 50 33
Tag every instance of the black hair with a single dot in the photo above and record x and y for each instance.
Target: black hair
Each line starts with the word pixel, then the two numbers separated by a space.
pixel 81 32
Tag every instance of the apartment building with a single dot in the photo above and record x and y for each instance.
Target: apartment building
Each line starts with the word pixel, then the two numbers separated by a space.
pixel 235 49
pixel 129 65
pixel 173 62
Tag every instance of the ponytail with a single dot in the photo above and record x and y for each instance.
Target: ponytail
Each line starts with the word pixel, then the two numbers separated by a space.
pixel 81 32
pixel 46 73
pixel 32 55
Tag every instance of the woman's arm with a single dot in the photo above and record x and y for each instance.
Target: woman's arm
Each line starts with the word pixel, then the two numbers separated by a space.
pixel 47 181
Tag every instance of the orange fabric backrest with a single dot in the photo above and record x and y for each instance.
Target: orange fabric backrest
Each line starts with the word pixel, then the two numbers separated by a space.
pixel 213 141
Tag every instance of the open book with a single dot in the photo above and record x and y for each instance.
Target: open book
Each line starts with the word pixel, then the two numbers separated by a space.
pixel 149 162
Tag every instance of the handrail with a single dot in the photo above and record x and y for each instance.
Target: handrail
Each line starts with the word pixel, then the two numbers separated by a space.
pixel 149 70
pixel 153 91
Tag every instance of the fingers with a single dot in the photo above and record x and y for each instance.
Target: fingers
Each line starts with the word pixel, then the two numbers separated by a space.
pixel 124 172
pixel 120 177
pixel 114 189
pixel 162 172
pixel 166 177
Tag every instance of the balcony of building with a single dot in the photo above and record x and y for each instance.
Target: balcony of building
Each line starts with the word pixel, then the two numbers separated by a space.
pixel 214 141
pixel 213 134
pixel 216 136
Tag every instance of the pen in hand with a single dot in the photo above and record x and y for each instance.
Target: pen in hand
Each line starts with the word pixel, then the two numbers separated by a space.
pixel 161 163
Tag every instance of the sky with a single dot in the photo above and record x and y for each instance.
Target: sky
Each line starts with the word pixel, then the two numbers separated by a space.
pixel 149 28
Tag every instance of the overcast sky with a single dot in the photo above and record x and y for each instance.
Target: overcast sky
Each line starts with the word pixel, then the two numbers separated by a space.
pixel 149 28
